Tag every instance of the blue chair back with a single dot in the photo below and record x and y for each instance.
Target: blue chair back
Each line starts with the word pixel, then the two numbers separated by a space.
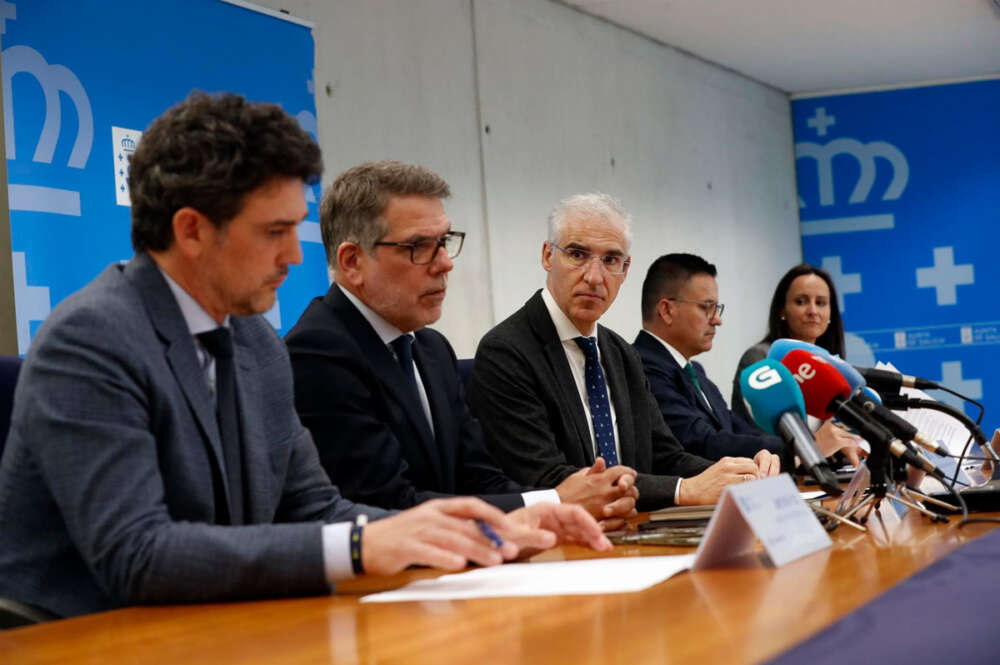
pixel 9 368
pixel 13 613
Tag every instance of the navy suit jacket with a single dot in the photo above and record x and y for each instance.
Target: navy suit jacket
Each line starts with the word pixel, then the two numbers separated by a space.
pixel 523 392
pixel 369 427
pixel 112 480
pixel 712 433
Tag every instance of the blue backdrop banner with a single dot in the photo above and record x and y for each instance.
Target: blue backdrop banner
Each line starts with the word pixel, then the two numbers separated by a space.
pixel 81 80
pixel 898 199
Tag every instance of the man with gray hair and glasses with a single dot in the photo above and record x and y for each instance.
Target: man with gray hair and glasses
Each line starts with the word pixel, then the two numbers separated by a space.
pixel 554 390
pixel 380 391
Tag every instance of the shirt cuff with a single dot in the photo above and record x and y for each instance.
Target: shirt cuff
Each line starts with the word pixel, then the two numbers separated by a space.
pixel 677 492
pixel 540 496
pixel 337 551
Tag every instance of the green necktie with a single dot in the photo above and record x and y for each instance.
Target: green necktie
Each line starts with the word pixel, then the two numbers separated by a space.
pixel 689 369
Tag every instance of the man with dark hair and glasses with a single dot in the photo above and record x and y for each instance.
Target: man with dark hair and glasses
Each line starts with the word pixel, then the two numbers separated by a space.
pixel 680 312
pixel 555 391
pixel 381 392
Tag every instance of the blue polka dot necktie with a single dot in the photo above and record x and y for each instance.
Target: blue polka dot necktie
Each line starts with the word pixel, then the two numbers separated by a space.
pixel 597 398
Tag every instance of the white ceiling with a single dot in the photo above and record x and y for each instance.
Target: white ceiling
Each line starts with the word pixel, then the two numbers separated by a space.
pixel 804 46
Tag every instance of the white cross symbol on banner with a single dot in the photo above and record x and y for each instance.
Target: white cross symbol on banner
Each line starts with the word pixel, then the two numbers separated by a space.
pixel 945 276
pixel 821 121
pixel 8 12
pixel 849 283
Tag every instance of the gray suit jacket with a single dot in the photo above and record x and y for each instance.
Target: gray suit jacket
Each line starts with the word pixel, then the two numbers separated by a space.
pixel 113 469
pixel 523 392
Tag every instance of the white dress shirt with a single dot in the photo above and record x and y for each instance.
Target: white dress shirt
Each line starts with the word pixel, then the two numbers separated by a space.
pixel 198 321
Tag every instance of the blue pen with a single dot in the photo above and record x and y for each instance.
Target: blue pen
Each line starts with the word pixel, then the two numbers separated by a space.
pixel 490 533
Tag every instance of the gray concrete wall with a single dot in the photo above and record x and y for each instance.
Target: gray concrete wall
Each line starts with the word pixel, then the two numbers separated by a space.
pixel 701 156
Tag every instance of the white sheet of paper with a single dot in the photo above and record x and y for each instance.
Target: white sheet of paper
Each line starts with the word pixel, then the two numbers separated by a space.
pixel 555 578
pixel 938 426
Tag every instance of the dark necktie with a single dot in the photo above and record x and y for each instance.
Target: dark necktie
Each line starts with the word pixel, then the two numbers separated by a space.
pixel 689 369
pixel 219 343
pixel 597 398
pixel 403 346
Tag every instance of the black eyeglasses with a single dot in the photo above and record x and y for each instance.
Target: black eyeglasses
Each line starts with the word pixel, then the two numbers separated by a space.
pixel 423 252
pixel 711 308
pixel 616 264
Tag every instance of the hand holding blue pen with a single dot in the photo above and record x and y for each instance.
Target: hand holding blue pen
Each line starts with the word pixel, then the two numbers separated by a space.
pixel 488 531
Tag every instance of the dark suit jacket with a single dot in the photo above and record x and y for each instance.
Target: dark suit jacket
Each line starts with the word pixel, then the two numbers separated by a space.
pixel 523 393
pixel 369 427
pixel 712 433
pixel 109 484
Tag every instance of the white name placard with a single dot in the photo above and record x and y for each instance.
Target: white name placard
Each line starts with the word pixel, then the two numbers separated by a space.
pixel 770 510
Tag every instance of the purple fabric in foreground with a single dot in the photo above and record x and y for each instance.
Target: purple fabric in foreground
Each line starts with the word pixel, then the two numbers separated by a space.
pixel 946 613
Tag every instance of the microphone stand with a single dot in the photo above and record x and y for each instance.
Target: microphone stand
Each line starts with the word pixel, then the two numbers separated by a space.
pixel 915 495
pixel 878 463
pixel 877 485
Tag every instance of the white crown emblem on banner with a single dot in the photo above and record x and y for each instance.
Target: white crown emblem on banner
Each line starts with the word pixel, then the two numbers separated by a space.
pixel 53 80
pixel 866 155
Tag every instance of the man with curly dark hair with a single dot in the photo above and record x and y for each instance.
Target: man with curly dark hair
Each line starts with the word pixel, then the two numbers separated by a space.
pixel 154 453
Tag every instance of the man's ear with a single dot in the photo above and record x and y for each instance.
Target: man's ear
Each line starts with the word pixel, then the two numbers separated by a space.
pixel 665 310
pixel 192 231
pixel 546 256
pixel 350 258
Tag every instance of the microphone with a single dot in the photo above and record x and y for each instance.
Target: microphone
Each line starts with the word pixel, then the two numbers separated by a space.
pixel 871 393
pixel 826 393
pixel 885 381
pixel 780 347
pixel 879 379
pixel 902 429
pixel 898 426
pixel 775 403
pixel 853 377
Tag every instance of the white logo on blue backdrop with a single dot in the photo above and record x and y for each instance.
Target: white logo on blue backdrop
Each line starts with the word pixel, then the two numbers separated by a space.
pixel 60 94
pixel 32 303
pixel 898 206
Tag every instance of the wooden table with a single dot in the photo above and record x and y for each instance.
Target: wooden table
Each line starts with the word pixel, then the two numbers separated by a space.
pixel 743 614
